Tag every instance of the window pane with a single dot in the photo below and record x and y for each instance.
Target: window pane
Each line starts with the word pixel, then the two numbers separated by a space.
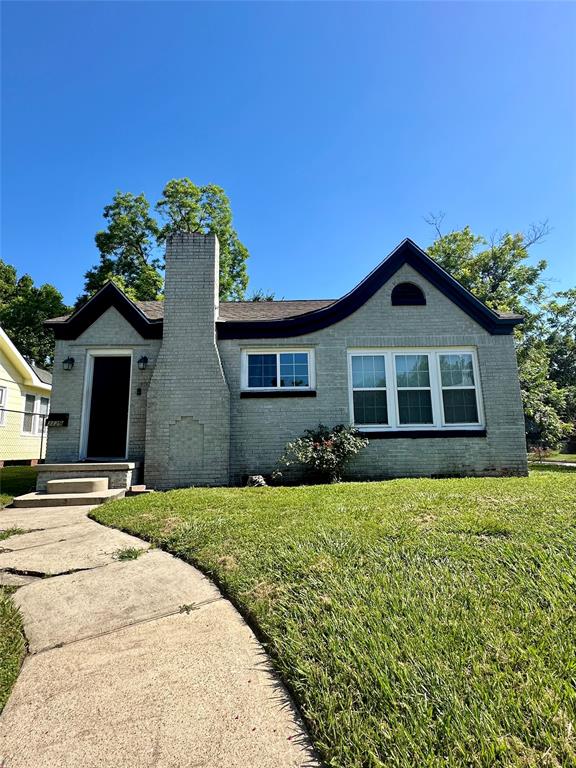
pixel 294 369
pixel 28 417
pixel 261 370
pixel 457 370
pixel 460 406
pixel 415 407
pixel 412 371
pixel 368 371
pixel 370 407
pixel 42 411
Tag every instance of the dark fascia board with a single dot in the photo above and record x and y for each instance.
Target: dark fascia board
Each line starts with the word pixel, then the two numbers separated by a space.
pixel 108 296
pixel 406 253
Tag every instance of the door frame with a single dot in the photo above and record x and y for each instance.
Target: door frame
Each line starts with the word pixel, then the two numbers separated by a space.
pixel 87 395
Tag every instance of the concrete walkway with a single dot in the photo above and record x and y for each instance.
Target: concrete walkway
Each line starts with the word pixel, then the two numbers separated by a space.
pixel 133 663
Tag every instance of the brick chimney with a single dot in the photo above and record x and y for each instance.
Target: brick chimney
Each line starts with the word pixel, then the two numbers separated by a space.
pixel 188 404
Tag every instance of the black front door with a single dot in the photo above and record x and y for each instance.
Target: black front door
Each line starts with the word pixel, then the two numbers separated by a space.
pixel 109 408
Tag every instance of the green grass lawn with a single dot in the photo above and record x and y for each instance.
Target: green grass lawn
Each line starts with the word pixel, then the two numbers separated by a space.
pixel 418 623
pixel 15 481
pixel 554 456
pixel 12 645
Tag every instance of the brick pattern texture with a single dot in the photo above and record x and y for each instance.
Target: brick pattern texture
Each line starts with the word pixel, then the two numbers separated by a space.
pixel 260 428
pixel 188 421
pixel 191 427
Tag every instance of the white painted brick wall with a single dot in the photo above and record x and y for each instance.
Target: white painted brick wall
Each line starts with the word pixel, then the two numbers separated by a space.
pixel 260 428
pixel 109 331
pixel 188 426
pixel 191 427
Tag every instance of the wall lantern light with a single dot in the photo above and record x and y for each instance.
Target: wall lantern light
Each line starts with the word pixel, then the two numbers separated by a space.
pixel 142 363
pixel 68 364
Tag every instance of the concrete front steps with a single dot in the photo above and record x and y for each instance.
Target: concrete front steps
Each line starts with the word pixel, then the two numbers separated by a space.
pixel 67 499
pixel 77 485
pixel 71 492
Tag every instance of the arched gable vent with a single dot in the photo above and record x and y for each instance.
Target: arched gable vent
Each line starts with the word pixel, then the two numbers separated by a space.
pixel 407 295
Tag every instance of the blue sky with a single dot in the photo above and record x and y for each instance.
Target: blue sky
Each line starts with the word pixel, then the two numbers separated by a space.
pixel 334 127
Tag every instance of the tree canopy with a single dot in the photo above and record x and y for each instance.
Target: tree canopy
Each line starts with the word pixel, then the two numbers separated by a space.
pixel 131 246
pixel 23 309
pixel 499 271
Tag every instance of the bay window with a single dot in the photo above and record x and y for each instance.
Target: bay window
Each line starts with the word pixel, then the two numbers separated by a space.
pixel 414 389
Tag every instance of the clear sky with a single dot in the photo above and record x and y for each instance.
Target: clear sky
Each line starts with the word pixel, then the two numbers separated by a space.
pixel 333 127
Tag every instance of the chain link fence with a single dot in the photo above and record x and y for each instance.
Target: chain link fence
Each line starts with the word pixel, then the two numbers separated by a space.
pixel 22 436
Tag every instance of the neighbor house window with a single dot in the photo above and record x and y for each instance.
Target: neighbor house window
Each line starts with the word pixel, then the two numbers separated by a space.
pixel 28 421
pixel 277 370
pixel 35 411
pixel 414 389
pixel 3 401
pixel 43 408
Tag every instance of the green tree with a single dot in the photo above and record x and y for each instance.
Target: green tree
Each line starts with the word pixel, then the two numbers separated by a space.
pixel 260 295
pixel 544 402
pixel 128 250
pixel 186 207
pixel 561 345
pixel 23 309
pixel 131 246
pixel 498 271
pixel 495 270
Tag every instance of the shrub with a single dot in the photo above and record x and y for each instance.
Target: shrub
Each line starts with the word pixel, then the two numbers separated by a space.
pixel 325 452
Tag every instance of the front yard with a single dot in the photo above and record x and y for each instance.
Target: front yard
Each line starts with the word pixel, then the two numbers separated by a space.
pixel 554 456
pixel 12 644
pixel 418 623
pixel 15 481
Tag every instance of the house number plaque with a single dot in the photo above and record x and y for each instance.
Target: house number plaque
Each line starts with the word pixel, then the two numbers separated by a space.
pixel 57 420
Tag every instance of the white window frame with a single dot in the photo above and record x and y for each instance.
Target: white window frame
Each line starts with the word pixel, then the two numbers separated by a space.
pixel 371 353
pixel 39 423
pixel 438 416
pixel 3 401
pixel 475 387
pixel 397 389
pixel 36 430
pixel 277 351
pixel 29 432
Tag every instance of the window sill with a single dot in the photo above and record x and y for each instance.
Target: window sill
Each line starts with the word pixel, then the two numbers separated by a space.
pixel 413 434
pixel 278 393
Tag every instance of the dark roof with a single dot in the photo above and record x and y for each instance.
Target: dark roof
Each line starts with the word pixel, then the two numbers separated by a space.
pixel 247 310
pixel 44 376
pixel 275 319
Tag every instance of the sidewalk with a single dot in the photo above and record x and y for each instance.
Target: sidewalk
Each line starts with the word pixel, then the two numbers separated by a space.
pixel 133 663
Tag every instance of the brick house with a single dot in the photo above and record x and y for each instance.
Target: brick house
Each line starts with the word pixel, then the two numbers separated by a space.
pixel 202 392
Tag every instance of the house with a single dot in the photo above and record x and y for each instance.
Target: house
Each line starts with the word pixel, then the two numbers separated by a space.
pixel 24 403
pixel 202 392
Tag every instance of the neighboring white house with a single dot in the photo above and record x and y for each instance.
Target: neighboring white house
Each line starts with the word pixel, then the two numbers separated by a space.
pixel 24 402
pixel 204 392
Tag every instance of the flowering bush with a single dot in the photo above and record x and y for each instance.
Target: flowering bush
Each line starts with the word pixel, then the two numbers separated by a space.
pixel 325 452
